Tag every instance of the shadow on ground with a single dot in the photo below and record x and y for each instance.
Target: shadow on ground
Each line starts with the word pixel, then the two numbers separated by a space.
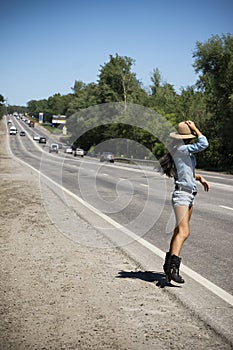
pixel 147 276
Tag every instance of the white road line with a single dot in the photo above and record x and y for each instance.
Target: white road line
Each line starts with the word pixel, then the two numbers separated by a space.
pixel 146 185
pixel 217 177
pixel 222 186
pixel 228 298
pixel 223 206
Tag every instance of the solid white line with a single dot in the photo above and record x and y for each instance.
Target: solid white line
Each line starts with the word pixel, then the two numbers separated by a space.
pixel 228 298
pixel 197 277
pixel 223 206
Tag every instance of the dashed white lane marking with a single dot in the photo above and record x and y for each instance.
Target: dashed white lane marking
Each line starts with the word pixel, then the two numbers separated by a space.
pixel 223 206
pixel 146 185
pixel 221 186
pixel 217 177
pixel 228 298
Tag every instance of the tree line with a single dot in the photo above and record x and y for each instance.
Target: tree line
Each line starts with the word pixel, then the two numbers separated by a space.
pixel 209 103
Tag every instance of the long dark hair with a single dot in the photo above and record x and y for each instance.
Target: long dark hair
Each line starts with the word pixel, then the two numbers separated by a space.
pixel 167 165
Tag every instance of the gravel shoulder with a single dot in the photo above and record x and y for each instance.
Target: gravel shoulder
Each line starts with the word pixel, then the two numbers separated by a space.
pixel 57 294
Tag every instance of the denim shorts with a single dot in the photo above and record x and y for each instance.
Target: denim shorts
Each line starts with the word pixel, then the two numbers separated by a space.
pixel 182 198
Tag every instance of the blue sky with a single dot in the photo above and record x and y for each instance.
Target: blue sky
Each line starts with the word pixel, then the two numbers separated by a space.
pixel 47 45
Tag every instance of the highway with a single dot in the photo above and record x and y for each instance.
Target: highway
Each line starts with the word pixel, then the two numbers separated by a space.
pixel 138 199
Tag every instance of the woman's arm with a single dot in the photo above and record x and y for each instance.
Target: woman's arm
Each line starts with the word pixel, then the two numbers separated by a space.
pixel 202 142
pixel 203 181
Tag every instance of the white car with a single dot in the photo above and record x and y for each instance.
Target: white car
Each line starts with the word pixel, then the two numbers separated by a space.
pixel 68 150
pixel 36 137
pixel 79 152
pixel 13 130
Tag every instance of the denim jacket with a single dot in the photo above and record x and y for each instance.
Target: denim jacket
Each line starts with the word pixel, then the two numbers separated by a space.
pixel 185 162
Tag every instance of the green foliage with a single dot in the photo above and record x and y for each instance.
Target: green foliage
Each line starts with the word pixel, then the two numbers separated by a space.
pixel 2 100
pixel 214 60
pixel 12 108
pixel 84 97
pixel 117 83
pixel 165 98
pixel 156 80
pixel 36 107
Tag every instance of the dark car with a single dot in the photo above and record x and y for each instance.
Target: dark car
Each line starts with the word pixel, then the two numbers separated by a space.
pixel 22 133
pixel 42 140
pixel 107 157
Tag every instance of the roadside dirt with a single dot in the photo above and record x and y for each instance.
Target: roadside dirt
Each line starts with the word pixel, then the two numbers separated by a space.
pixel 57 294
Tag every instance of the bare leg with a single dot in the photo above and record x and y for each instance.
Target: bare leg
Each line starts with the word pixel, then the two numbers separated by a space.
pixel 182 230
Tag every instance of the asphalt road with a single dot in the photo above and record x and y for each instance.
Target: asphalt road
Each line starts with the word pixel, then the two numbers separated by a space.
pixel 138 198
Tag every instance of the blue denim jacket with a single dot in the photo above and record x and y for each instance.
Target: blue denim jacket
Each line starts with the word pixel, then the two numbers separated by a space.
pixel 185 162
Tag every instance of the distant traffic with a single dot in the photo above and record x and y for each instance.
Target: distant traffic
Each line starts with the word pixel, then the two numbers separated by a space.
pixel 52 146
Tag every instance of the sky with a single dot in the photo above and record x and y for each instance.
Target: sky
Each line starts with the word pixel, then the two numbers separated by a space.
pixel 46 45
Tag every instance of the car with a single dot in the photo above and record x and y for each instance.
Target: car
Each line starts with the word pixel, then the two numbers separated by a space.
pixel 22 133
pixel 79 152
pixel 36 137
pixel 68 150
pixel 107 157
pixel 13 130
pixel 54 147
pixel 42 140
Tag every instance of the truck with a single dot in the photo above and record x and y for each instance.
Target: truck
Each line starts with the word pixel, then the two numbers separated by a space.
pixel 32 123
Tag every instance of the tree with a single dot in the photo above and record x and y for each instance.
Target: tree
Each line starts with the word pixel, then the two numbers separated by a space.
pixel 85 95
pixel 116 81
pixel 35 107
pixel 164 100
pixel 56 105
pixel 191 105
pixel 214 62
pixel 2 101
pixel 156 80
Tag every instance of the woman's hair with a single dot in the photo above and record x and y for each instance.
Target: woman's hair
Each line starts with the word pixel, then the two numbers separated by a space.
pixel 167 165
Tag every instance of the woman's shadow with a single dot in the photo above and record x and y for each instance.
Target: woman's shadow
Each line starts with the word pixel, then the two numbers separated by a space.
pixel 147 276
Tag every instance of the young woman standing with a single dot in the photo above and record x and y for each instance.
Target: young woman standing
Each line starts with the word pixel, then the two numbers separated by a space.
pixel 182 168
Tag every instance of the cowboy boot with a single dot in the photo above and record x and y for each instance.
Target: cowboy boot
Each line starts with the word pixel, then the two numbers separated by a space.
pixel 166 265
pixel 173 273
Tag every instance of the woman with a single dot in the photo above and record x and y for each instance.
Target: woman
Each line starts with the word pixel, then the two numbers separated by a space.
pixel 180 163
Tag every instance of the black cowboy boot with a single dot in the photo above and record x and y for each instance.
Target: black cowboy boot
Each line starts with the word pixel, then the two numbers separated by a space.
pixel 173 273
pixel 166 266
